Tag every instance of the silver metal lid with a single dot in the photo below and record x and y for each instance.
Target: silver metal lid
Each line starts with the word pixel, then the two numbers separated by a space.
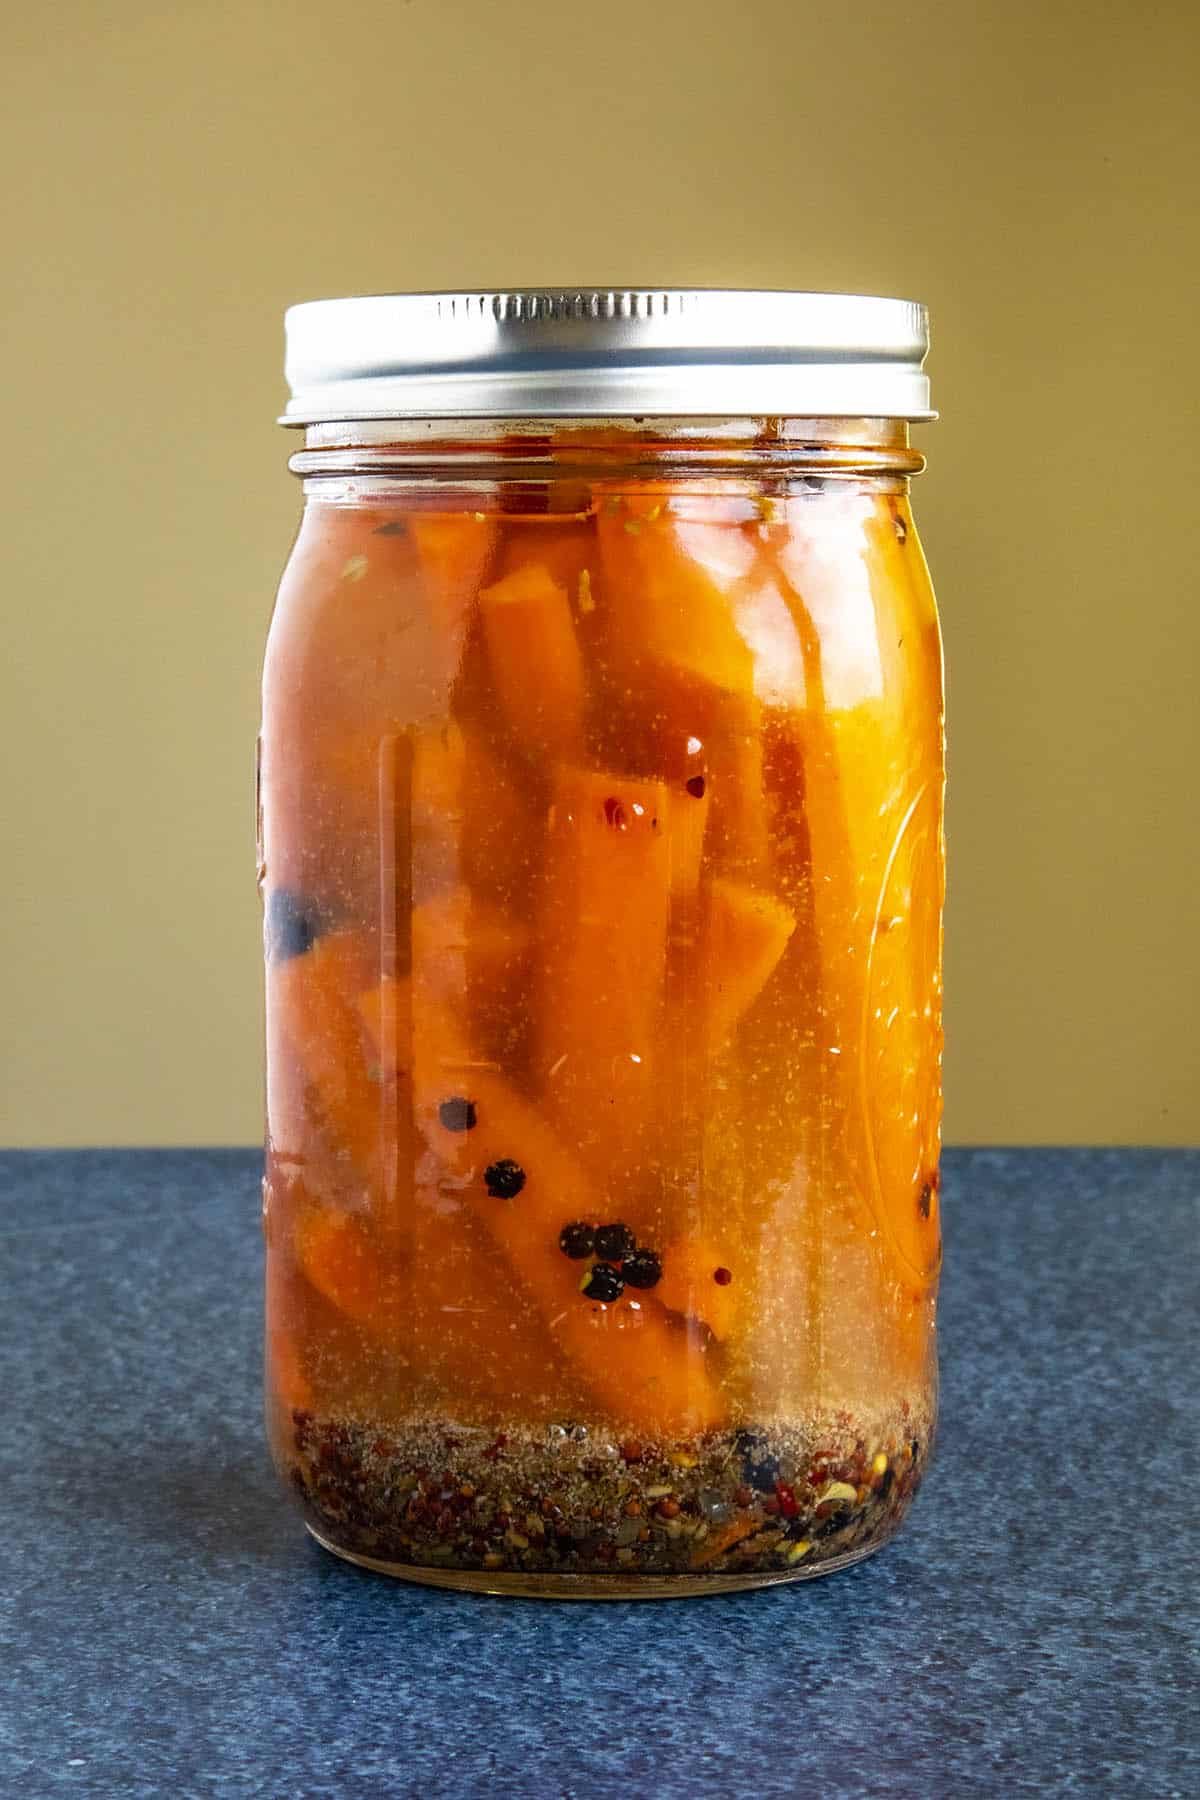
pixel 595 352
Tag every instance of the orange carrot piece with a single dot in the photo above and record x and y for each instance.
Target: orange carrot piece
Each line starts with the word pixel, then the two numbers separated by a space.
pixel 601 952
pixel 378 1008
pixel 438 1311
pixel 683 607
pixel 535 659
pixel 646 1371
pixel 500 827
pixel 745 934
pixel 453 551
pixel 337 1257
pixel 467 956
pixel 720 961
pixel 570 554
pixel 464 948
pixel 690 1286
pixel 689 819
pixel 739 836
pixel 604 921
pixel 313 999
pixel 669 584
pixel 871 808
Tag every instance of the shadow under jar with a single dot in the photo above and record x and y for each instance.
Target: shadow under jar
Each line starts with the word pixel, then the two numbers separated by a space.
pixel 601 853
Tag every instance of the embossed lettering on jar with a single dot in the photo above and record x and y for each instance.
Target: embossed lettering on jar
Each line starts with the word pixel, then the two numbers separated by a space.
pixel 601 858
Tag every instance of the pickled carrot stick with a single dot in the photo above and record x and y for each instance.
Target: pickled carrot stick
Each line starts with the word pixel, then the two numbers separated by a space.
pixel 864 802
pixel 674 592
pixel 462 946
pixel 739 837
pixel 730 949
pixel 535 659
pixel 313 999
pixel 602 936
pixel 378 1008
pixel 745 934
pixel 647 1372
pixel 668 584
pixel 454 551
pixel 688 815
pixel 569 553
pixel 443 1313
pixel 336 1255
pixel 500 833
pixel 693 1272
pixel 608 863
pixel 465 955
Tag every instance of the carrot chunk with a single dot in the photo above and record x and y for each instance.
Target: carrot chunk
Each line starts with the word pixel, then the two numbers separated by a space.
pixel 535 659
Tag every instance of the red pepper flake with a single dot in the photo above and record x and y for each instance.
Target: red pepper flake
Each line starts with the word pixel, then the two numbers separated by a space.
pixel 788 1504
pixel 631 1451
pixel 926 1200
pixel 722 1277
pixel 614 814
pixel 695 786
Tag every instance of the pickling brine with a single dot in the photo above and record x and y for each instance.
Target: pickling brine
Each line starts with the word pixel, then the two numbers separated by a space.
pixel 601 858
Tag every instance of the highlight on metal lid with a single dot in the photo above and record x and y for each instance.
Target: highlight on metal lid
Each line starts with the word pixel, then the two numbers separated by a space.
pixel 606 352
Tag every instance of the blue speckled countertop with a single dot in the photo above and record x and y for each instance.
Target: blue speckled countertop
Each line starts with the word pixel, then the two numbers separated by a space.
pixel 167 1629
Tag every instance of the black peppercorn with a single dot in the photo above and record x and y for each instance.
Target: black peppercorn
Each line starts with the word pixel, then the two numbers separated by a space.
pixel 577 1240
pixel 457 1114
pixel 504 1179
pixel 603 1282
pixel 642 1270
pixel 614 1242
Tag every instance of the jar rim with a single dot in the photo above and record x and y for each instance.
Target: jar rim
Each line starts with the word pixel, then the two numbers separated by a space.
pixel 606 352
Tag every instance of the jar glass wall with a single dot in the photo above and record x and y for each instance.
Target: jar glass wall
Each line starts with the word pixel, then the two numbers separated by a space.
pixel 601 855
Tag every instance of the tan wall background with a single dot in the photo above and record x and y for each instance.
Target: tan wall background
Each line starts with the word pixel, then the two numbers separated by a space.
pixel 177 174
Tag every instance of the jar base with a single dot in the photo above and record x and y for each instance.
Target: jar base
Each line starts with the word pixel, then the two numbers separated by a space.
pixel 530 1585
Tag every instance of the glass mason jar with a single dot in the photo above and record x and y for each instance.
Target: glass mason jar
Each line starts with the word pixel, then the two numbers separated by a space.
pixel 601 782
